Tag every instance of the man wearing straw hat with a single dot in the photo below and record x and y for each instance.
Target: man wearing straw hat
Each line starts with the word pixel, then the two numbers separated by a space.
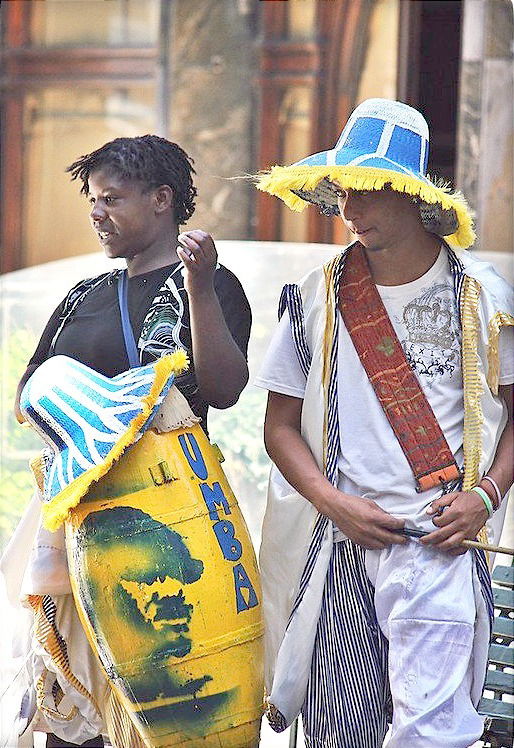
pixel 389 416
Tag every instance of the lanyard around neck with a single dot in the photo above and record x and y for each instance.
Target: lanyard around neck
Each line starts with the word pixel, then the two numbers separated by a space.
pixel 128 333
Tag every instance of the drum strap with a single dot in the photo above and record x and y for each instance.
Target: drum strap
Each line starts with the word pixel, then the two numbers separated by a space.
pixel 395 384
pixel 128 333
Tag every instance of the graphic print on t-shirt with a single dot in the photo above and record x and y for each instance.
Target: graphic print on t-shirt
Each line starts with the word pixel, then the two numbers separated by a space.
pixel 432 333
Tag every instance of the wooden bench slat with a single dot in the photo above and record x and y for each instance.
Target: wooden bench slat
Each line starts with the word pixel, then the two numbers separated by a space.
pixel 498 681
pixel 504 576
pixel 495 708
pixel 504 627
pixel 500 655
pixel 504 600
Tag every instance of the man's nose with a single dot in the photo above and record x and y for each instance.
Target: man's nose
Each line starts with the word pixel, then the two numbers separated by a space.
pixel 98 212
pixel 351 207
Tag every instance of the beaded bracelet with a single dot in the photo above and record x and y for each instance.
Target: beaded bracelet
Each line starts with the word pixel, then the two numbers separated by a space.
pixel 497 491
pixel 485 498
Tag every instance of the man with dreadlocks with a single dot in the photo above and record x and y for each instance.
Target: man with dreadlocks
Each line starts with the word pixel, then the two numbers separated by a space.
pixel 176 296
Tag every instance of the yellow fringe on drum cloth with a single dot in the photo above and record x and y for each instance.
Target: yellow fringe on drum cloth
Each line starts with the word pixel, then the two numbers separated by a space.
pixel 282 180
pixel 56 511
pixel 120 728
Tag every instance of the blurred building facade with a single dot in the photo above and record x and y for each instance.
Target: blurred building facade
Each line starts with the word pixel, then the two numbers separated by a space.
pixel 241 85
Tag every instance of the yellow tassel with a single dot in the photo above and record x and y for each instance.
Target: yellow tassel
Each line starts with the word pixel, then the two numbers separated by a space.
pixel 48 637
pixel 493 352
pixel 280 180
pixel 56 511
pixel 473 417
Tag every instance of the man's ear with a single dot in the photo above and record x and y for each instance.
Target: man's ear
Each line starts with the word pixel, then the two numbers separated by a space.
pixel 164 198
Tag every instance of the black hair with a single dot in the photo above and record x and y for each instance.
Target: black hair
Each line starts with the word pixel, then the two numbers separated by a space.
pixel 151 160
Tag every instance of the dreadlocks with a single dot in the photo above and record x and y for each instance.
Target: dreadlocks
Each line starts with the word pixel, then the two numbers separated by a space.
pixel 151 160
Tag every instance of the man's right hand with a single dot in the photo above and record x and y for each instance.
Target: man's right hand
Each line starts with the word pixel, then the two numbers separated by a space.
pixel 359 519
pixel 363 521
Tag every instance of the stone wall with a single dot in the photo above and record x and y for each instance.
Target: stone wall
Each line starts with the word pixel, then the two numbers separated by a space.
pixel 485 168
pixel 212 108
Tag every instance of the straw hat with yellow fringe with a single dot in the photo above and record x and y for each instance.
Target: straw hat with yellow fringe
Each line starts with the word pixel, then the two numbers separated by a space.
pixel 383 143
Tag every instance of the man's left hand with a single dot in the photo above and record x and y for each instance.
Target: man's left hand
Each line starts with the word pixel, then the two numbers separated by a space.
pixel 198 253
pixel 458 516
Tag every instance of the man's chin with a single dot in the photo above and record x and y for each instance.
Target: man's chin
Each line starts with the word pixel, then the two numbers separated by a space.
pixel 113 253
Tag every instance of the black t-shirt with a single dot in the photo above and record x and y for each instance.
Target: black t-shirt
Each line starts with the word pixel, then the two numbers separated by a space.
pixel 93 334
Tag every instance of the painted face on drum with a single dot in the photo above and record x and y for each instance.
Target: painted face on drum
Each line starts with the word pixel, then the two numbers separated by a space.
pixel 137 584
pixel 140 571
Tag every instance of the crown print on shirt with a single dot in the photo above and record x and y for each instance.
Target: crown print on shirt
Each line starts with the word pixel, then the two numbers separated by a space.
pixel 432 333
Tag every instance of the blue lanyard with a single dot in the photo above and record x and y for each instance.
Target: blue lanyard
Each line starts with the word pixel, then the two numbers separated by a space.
pixel 128 333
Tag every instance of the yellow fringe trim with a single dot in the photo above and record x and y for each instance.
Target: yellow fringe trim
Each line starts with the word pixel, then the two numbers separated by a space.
pixel 493 352
pixel 473 416
pixel 120 727
pixel 280 180
pixel 328 337
pixel 56 511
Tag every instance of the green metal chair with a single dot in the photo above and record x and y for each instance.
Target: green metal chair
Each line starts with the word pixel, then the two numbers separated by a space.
pixel 499 724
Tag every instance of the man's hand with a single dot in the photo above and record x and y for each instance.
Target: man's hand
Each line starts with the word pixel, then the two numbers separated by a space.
pixel 459 516
pixel 220 367
pixel 198 253
pixel 364 522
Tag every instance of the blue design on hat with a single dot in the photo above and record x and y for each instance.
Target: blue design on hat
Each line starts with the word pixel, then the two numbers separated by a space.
pixel 373 139
pixel 384 143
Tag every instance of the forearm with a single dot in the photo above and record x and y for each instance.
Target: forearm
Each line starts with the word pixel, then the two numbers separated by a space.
pixel 220 367
pixel 360 519
pixel 502 468
pixel 290 453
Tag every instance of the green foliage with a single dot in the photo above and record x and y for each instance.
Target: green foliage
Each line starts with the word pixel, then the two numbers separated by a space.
pixel 18 443
pixel 238 433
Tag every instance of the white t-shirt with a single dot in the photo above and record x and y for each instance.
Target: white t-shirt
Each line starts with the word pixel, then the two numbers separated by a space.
pixel 371 462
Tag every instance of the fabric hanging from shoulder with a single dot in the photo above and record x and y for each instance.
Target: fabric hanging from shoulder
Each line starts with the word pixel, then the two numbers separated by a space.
pixel 395 384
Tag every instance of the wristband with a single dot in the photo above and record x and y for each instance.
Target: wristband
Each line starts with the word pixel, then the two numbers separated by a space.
pixel 485 498
pixel 497 491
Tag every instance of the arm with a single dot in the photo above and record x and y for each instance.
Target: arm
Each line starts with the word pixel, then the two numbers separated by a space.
pixel 360 519
pixel 465 513
pixel 220 367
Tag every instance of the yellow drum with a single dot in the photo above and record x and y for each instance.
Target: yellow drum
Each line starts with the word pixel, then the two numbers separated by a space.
pixel 166 584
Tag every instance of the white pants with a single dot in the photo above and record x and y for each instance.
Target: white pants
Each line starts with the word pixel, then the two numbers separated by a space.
pixel 425 606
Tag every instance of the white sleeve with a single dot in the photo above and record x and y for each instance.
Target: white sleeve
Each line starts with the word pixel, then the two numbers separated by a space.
pixel 506 349
pixel 280 371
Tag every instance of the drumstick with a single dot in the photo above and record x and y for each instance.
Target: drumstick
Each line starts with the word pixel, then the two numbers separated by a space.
pixel 468 543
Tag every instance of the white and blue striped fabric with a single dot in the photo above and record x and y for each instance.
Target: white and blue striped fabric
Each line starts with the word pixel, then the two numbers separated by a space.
pixel 81 414
pixel 348 703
